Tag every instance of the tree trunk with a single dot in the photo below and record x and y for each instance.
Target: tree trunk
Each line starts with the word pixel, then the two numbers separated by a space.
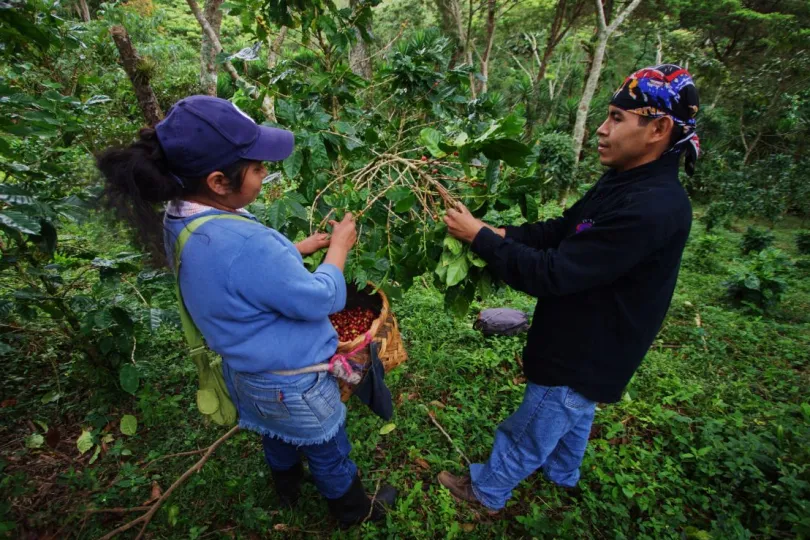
pixel 452 25
pixel 208 54
pixel 139 76
pixel 659 53
pixel 605 32
pixel 559 28
pixel 84 10
pixel 359 58
pixel 267 103
pixel 492 7
pixel 272 60
pixel 587 95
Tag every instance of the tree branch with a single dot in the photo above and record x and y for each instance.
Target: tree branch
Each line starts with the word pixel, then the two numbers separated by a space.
pixel 622 16
pixel 600 16
pixel 147 517
pixel 526 71
pixel 266 106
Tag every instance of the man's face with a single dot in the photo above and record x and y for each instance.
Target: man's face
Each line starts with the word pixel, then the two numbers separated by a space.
pixel 623 142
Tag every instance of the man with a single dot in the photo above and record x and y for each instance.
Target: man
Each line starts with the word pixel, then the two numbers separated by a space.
pixel 604 274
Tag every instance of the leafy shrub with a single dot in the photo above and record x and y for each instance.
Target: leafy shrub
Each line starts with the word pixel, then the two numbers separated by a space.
pixel 717 213
pixel 703 253
pixel 756 239
pixel 555 160
pixel 761 284
pixel 803 242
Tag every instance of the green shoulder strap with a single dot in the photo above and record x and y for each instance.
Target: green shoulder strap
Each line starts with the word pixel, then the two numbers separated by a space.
pixel 213 399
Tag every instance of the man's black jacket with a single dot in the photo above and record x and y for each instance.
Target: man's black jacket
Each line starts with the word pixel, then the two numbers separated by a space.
pixel 604 274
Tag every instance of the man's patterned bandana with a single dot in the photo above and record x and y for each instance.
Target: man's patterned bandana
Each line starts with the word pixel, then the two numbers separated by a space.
pixel 665 90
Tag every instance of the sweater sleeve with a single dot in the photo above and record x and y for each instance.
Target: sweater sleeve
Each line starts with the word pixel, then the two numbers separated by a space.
pixel 269 276
pixel 593 257
pixel 544 234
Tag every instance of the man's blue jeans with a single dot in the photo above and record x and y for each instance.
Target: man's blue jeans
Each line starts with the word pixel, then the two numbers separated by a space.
pixel 332 469
pixel 549 431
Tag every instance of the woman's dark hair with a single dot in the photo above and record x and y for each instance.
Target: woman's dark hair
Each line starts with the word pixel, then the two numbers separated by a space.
pixel 138 179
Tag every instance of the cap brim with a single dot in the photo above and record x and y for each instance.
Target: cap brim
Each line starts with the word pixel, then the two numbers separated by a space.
pixel 272 144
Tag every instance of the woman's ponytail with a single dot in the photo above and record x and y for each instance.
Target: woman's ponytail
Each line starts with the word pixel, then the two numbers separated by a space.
pixel 137 178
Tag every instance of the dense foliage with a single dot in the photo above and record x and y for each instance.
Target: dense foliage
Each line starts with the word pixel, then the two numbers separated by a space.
pixel 400 107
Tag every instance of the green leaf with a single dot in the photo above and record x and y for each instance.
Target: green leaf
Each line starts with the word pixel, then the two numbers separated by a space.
pixel 397 194
pixel 532 213
pixel 174 513
pixel 405 204
pixel 129 425
pixel 345 128
pixel 510 151
pixel 454 245
pixel 14 18
pixel 806 410
pixel 35 440
pixel 95 455
pixel 95 100
pixel 129 378
pixel 441 271
pixel 296 209
pixel 387 428
pixel 511 126
pixel 457 300
pixel 155 318
pixel 20 221
pixel 493 174
pixel 320 159
pixel 103 319
pixel 15 195
pixel 457 271
pixel 475 260
pixel 50 397
pixel 85 441
pixel 752 282
pixel 277 214
pixel 431 139
pixel 484 285
pixel 292 165
pixel 122 319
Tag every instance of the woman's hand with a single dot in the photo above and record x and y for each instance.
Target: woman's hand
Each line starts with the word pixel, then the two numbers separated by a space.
pixel 313 243
pixel 344 233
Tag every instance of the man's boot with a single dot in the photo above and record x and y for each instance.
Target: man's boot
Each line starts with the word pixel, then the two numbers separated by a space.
pixel 356 507
pixel 461 488
pixel 288 484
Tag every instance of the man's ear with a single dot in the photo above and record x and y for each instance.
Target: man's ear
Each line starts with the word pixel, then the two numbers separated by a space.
pixel 662 128
pixel 218 183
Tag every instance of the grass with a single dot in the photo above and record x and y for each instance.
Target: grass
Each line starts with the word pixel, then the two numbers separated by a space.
pixel 711 440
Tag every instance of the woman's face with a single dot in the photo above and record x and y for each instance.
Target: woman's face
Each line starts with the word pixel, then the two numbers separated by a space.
pixel 225 195
pixel 251 184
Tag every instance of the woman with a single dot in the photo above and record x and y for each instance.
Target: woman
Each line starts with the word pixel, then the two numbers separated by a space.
pixel 246 288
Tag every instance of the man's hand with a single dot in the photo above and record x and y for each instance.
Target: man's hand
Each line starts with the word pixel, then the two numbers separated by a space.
pixel 462 224
pixel 313 243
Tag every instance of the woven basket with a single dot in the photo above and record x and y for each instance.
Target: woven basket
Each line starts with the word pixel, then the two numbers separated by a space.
pixel 384 332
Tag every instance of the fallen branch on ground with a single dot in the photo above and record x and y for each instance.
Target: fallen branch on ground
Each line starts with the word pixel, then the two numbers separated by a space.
pixel 147 517
pixel 449 438
pixel 179 454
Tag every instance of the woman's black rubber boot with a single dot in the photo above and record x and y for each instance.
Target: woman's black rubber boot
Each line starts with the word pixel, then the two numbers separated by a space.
pixel 288 484
pixel 356 507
